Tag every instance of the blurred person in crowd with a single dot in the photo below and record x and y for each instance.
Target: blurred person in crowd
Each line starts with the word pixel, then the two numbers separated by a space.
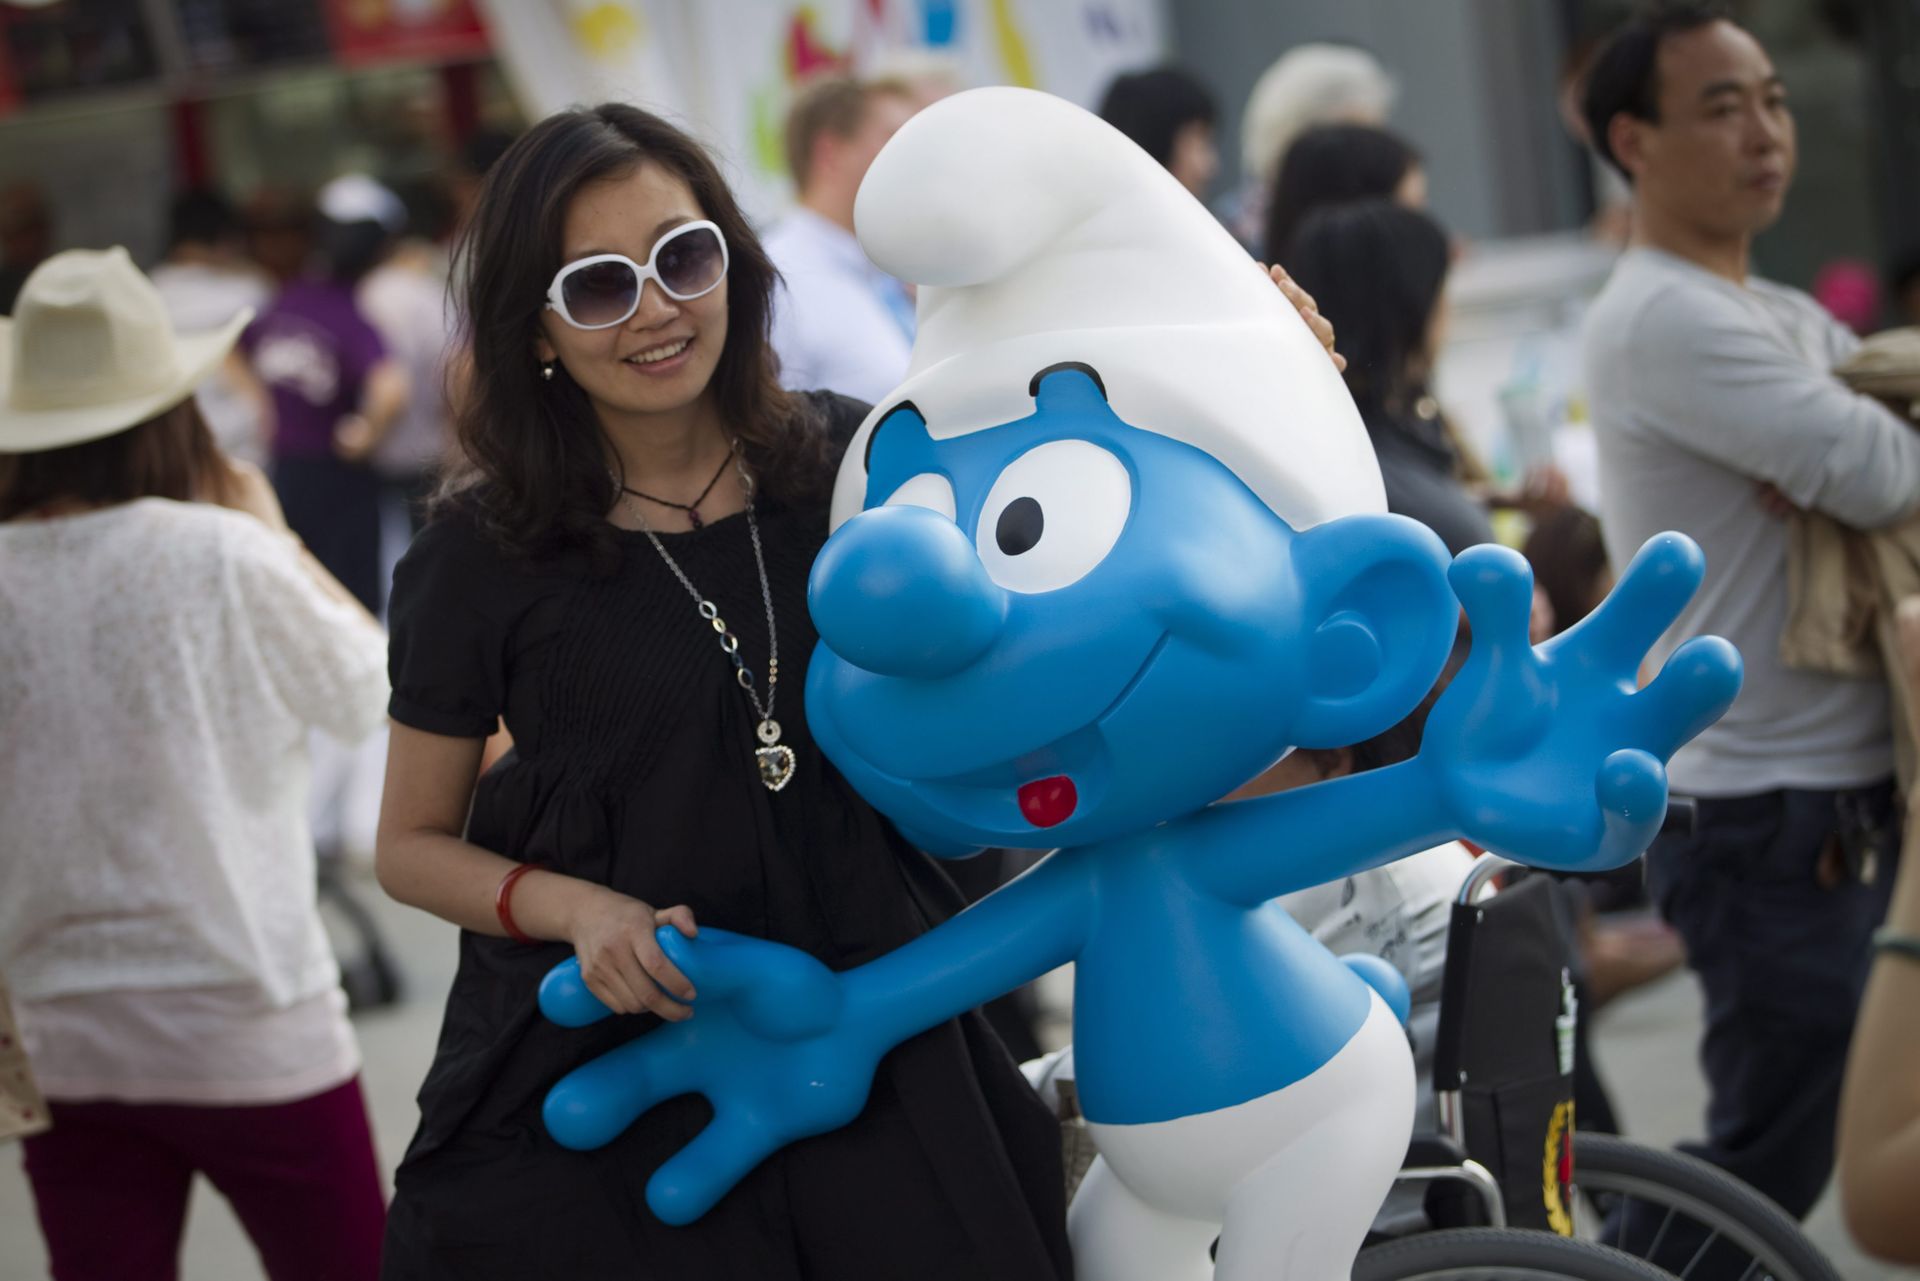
pixel 1171 115
pixel 278 225
pixel 1310 84
pixel 405 299
pixel 205 282
pixel 26 237
pixel 1569 560
pixel 839 322
pixel 336 389
pixel 1337 164
pixel 1379 273
pixel 927 75
pixel 1714 406
pixel 1879 1154
pixel 167 645
pixel 625 432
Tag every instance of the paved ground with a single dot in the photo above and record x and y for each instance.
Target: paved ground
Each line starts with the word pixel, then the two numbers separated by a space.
pixel 1645 1048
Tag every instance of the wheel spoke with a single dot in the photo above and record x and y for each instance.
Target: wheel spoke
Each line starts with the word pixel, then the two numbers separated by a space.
pixel 1699 1254
pixel 1653 1251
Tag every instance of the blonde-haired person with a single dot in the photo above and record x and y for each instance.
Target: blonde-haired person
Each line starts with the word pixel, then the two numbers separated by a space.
pixel 165 646
pixel 1310 84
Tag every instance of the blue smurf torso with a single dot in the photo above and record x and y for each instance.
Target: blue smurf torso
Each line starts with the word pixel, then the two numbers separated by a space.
pixel 1184 1002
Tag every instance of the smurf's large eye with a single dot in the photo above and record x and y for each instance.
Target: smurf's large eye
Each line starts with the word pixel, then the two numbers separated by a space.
pixel 1053 515
pixel 929 489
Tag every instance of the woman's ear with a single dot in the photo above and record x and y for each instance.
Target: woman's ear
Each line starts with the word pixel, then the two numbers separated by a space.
pixel 1375 594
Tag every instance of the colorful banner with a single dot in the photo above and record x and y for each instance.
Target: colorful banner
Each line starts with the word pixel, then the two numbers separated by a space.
pixel 364 32
pixel 727 68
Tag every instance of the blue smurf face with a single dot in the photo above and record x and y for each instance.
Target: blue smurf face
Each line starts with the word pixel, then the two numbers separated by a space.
pixel 1058 630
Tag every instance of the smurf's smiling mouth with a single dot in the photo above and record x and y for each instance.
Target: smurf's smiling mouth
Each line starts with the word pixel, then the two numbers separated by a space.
pixel 1045 787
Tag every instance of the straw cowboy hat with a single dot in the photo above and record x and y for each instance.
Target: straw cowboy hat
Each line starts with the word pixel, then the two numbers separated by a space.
pixel 89 351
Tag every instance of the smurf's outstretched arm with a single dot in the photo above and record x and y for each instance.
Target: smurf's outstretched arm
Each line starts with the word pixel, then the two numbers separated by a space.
pixel 1251 851
pixel 783 1047
pixel 1549 755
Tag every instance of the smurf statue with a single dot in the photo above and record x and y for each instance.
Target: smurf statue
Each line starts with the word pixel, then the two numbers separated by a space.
pixel 1117 544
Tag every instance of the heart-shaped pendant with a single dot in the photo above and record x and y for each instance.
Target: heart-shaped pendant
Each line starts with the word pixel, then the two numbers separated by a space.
pixel 776 765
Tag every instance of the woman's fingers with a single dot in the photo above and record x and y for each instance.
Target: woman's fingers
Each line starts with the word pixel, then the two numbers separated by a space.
pixel 680 917
pixel 614 988
pixel 1309 310
pixel 658 972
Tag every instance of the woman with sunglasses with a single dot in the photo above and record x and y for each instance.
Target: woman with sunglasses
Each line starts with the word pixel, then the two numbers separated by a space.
pixel 620 576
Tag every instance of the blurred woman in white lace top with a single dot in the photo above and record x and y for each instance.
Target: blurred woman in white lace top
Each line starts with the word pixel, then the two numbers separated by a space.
pixel 165 647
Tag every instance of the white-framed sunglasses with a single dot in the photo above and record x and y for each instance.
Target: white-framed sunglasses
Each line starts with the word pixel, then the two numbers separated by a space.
pixel 602 291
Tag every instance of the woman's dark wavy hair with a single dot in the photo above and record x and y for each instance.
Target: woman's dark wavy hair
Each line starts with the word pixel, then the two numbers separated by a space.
pixel 1331 165
pixel 1377 269
pixel 534 474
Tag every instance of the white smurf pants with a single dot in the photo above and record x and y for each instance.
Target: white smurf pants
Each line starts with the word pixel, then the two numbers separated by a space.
pixel 1289 1182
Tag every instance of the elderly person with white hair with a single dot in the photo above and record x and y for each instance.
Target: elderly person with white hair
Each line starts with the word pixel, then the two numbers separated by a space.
pixel 1310 84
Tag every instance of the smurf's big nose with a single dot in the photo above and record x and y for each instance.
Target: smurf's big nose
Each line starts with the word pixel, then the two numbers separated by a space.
pixel 899 591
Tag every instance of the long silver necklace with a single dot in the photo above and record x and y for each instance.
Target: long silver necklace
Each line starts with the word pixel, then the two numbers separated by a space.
pixel 776 759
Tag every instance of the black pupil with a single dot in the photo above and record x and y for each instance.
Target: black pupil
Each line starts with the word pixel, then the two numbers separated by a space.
pixel 1020 527
pixel 689 262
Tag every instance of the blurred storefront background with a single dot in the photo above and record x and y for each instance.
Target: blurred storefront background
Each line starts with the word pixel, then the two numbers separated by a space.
pixel 109 107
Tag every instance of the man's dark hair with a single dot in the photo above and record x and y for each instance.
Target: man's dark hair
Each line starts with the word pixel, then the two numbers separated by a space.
pixel 201 216
pixel 1152 107
pixel 1623 76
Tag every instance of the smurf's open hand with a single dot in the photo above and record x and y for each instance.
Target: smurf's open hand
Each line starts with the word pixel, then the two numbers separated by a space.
pixel 762 1047
pixel 1550 755
pixel 1309 311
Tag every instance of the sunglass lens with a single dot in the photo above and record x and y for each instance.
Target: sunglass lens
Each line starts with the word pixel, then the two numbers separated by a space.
pixel 600 294
pixel 691 263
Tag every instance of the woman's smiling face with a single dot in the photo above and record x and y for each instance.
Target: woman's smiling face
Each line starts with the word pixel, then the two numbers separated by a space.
pixel 661 358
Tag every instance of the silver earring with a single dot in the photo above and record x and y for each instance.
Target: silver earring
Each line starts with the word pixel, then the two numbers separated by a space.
pixel 546 371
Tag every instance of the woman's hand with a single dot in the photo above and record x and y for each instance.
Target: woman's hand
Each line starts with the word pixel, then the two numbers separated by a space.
pixel 620 960
pixel 1309 311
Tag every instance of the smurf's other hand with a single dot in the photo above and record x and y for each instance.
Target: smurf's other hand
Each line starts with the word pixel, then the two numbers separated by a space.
pixel 764 1047
pixel 1551 755
pixel 1309 311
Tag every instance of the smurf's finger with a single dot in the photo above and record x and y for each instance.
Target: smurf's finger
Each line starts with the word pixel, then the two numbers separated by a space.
pixel 1656 586
pixel 689 1184
pixel 1631 788
pixel 1694 689
pixel 1495 586
pixel 592 1104
pixel 565 998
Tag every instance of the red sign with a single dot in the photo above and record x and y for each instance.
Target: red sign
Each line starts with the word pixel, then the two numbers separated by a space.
pixel 374 31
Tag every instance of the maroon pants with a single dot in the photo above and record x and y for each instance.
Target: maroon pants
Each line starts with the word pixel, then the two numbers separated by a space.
pixel 110 1183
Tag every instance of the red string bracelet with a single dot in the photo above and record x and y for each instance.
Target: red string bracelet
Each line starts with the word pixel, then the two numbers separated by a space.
pixel 503 903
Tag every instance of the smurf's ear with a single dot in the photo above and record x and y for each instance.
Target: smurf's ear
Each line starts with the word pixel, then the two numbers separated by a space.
pixel 1374 590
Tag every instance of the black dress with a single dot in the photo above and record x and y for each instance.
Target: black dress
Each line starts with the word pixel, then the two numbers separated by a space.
pixel 633 767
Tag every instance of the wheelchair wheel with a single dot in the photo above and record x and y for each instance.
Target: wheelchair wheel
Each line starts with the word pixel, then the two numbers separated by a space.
pixel 1498 1254
pixel 1686 1215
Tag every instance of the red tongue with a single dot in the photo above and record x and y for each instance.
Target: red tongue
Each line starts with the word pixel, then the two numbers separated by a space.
pixel 1048 802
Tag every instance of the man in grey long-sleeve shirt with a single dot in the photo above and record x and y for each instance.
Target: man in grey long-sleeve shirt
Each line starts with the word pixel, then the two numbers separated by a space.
pixel 1714 408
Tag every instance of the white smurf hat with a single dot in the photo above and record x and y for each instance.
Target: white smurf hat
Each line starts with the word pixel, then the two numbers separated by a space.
pixel 1038 234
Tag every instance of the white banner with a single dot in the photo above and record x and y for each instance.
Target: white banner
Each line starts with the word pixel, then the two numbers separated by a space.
pixel 727 68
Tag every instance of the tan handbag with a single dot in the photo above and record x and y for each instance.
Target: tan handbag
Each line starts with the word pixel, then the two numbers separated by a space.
pixel 22 1110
